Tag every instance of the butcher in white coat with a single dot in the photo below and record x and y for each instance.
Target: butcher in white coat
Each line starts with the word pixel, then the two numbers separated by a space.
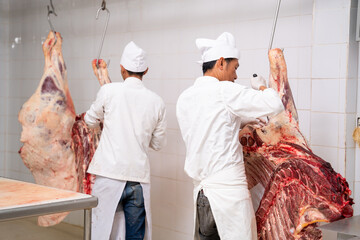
pixel 210 114
pixel 133 120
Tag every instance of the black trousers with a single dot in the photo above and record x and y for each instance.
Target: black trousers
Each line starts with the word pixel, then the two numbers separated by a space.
pixel 207 225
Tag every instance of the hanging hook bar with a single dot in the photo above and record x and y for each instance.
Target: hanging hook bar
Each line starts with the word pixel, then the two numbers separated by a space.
pixel 103 7
pixel 52 11
pixel 274 24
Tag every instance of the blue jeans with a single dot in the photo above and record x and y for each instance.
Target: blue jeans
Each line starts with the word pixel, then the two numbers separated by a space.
pixel 132 201
pixel 207 226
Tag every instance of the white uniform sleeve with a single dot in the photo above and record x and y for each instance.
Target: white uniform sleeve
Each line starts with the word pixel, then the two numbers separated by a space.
pixel 246 102
pixel 95 114
pixel 158 139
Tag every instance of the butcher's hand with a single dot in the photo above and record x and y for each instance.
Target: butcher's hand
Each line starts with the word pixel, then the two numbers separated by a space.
pixel 100 71
pixel 96 67
pixel 258 82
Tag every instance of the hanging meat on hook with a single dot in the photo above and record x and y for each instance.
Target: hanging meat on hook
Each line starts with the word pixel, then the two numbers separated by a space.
pixel 46 119
pixel 299 188
pixel 87 139
pixel 57 144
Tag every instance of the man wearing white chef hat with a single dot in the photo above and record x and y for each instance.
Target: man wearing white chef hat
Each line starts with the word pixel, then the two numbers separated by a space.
pixel 210 114
pixel 134 120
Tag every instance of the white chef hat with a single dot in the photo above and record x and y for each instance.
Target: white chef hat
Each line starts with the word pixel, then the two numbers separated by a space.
pixel 134 58
pixel 223 46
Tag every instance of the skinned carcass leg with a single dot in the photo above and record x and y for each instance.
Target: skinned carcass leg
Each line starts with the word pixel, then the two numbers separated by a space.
pixel 86 139
pixel 300 188
pixel 46 119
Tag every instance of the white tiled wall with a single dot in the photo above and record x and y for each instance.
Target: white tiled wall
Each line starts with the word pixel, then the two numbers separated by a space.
pixel 314 33
pixel 4 79
pixel 356 76
pixel 333 95
pixel 353 98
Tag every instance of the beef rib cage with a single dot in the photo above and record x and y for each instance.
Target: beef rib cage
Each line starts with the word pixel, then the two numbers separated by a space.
pixel 300 188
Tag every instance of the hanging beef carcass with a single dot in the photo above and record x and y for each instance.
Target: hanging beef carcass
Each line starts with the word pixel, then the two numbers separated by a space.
pixel 47 119
pixel 299 188
pixel 58 146
pixel 87 139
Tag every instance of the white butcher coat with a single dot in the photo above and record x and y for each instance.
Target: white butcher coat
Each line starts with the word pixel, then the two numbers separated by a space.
pixel 133 120
pixel 209 115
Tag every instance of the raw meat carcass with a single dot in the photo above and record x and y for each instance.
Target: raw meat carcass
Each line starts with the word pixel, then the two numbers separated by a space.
pixel 58 146
pixel 87 139
pixel 47 119
pixel 299 188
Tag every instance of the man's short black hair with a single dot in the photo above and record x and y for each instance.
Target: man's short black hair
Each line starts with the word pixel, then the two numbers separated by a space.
pixel 139 74
pixel 210 65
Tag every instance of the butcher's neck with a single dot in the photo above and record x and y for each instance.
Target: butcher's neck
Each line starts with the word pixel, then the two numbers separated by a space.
pixel 133 76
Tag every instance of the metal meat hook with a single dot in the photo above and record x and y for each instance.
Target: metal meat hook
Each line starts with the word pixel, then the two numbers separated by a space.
pixel 52 11
pixel 103 7
pixel 274 24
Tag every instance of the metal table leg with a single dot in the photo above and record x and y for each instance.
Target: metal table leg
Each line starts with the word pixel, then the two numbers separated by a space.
pixel 87 224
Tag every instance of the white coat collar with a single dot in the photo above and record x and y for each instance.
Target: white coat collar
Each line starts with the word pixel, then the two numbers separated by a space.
pixel 133 81
pixel 205 80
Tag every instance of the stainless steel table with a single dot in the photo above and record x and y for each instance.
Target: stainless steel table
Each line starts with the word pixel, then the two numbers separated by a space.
pixel 21 199
pixel 348 228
